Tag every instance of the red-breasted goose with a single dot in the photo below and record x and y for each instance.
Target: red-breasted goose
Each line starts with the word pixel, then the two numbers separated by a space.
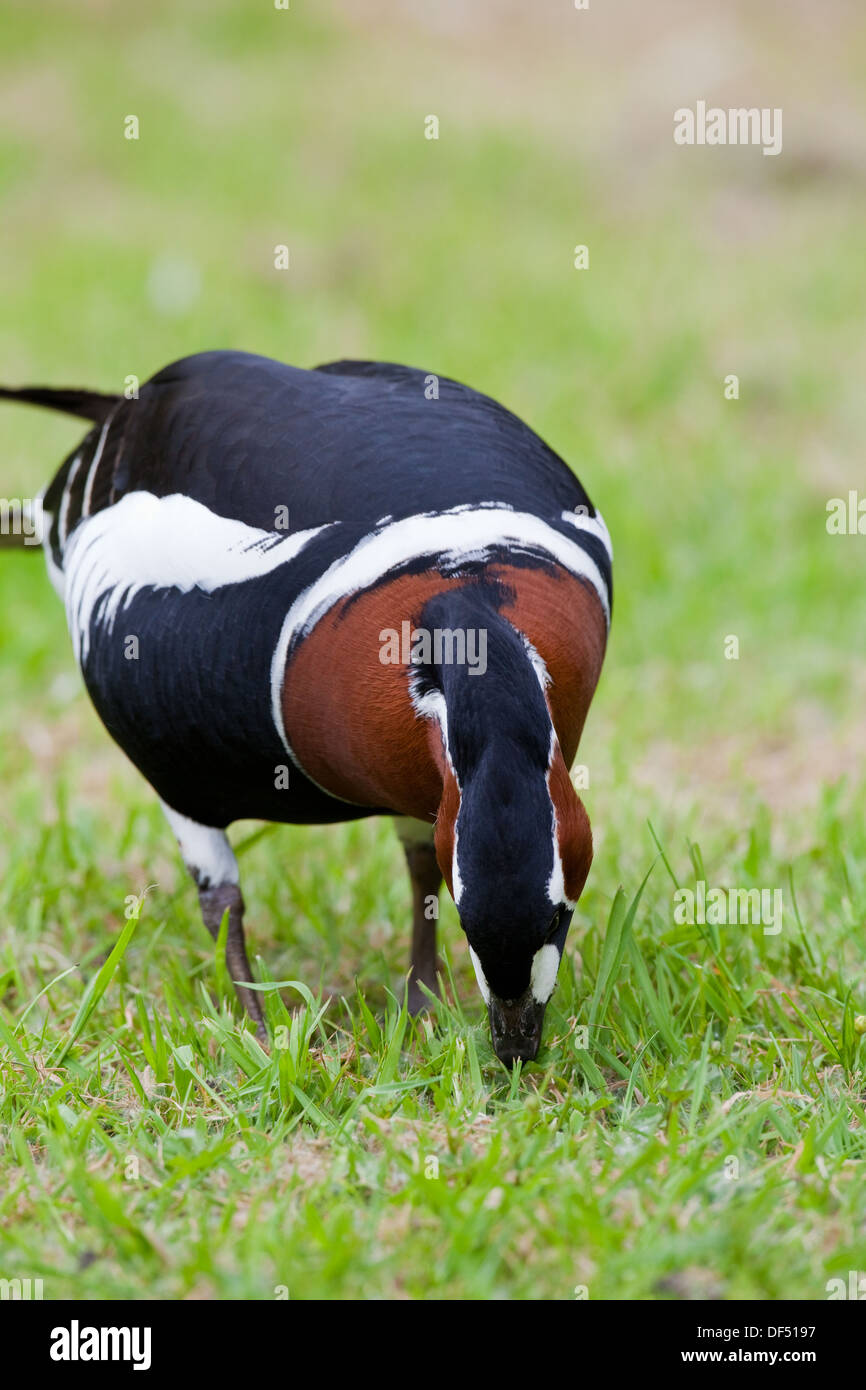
pixel 310 596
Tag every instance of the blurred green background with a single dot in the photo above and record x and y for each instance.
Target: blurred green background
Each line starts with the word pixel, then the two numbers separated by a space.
pixel 306 127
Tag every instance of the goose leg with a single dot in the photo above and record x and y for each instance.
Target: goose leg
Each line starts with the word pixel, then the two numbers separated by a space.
pixel 209 857
pixel 426 877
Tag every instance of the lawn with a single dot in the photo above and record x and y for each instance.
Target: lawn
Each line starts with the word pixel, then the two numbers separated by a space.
pixel 694 1126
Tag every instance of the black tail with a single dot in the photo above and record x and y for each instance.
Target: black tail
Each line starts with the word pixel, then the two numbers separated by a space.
pixel 90 405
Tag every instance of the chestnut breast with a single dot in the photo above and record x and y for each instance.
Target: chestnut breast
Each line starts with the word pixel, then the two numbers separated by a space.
pixel 349 716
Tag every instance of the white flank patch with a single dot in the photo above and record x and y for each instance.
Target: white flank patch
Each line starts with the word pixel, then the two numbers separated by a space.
pixel 480 976
pixel 172 542
pixel 206 851
pixel 542 978
pixel 461 536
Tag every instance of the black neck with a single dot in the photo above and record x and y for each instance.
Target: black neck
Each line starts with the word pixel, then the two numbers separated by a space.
pixel 484 670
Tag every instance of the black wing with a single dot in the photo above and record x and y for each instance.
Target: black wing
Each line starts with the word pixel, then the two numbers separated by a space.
pixel 353 442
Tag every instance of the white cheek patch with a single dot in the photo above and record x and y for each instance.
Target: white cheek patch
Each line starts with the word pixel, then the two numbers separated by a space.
pixel 545 965
pixel 480 976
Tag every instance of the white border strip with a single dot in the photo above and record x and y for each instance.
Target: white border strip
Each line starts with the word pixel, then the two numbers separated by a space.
pixel 91 474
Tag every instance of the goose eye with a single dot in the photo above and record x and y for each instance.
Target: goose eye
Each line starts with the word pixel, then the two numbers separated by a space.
pixel 554 924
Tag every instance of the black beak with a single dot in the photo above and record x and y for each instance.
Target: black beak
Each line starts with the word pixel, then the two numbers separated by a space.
pixel 515 1026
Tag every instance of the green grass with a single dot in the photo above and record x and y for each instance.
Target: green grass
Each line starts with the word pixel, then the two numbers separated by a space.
pixel 692 1128
pixel 705 1136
